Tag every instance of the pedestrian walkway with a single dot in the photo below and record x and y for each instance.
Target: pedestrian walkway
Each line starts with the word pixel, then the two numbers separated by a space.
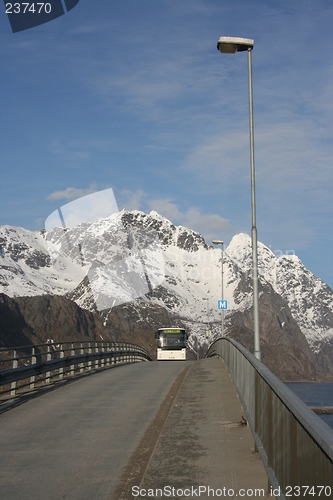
pixel 204 450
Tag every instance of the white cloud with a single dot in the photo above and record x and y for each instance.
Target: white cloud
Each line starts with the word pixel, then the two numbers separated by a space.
pixel 130 200
pixel 72 193
pixel 167 208
pixel 209 225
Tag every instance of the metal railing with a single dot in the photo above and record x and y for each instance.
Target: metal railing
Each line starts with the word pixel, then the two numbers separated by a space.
pixel 295 445
pixel 27 365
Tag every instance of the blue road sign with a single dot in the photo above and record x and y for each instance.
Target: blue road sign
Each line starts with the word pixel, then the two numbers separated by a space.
pixel 223 304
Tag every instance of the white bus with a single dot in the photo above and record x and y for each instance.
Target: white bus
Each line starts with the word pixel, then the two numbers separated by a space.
pixel 171 344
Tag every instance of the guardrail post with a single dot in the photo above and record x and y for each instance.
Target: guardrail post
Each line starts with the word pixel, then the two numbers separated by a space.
pixel 81 352
pixel 113 359
pixel 13 384
pixel 72 367
pixel 33 362
pixel 118 354
pixel 61 370
pixel 102 358
pixel 48 358
pixel 89 352
pixel 96 351
pixel 108 351
pixel 116 358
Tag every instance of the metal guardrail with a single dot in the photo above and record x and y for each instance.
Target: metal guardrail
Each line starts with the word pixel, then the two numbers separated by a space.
pixel 295 445
pixel 40 363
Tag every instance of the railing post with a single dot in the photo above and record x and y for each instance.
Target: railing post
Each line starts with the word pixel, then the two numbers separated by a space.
pixel 96 351
pixel 33 362
pixel 81 352
pixel 102 358
pixel 108 351
pixel 115 348
pixel 61 356
pixel 13 384
pixel 113 358
pixel 72 367
pixel 89 352
pixel 48 358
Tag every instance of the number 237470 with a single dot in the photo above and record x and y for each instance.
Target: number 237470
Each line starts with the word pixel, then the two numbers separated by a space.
pixel 27 7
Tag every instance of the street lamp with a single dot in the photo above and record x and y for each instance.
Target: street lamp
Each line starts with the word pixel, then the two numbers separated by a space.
pixel 231 45
pixel 220 242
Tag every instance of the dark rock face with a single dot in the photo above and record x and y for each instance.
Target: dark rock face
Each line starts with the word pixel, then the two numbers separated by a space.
pixel 190 241
pixel 154 227
pixel 35 320
pixel 25 321
pixel 14 330
pixel 324 355
pixel 284 349
pixel 19 250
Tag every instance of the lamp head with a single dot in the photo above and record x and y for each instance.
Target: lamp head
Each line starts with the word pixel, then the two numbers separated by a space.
pixel 231 44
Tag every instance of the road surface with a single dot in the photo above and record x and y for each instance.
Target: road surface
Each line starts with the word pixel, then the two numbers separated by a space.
pixel 74 442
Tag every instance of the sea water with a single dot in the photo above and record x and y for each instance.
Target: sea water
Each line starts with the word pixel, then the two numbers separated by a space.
pixel 315 394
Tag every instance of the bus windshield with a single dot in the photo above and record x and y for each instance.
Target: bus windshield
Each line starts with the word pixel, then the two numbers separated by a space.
pixel 171 340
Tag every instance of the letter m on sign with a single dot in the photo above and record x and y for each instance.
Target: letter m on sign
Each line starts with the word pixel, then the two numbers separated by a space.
pixel 223 304
pixel 25 15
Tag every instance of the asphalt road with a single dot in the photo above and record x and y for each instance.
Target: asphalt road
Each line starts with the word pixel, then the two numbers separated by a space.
pixel 73 442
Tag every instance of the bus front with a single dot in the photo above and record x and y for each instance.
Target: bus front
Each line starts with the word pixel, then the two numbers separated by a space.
pixel 171 344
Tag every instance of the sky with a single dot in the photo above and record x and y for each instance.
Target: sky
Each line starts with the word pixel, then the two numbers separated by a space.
pixel 135 96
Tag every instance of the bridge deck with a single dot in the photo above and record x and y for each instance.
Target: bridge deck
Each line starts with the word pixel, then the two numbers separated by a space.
pixel 74 442
pixel 203 442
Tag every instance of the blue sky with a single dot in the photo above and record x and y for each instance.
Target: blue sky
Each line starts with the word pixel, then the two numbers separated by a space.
pixel 135 96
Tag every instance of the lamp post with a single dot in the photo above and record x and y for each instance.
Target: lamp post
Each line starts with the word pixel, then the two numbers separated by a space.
pixel 231 45
pixel 220 242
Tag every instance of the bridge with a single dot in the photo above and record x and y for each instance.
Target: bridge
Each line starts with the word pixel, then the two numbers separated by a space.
pixel 100 421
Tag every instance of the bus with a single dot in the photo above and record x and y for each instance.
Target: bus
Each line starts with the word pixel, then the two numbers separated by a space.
pixel 171 344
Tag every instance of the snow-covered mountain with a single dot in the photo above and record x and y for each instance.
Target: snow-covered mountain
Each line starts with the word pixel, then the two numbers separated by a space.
pixel 132 256
pixel 309 298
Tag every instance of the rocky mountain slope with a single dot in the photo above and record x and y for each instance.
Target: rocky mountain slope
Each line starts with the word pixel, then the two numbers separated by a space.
pixel 26 321
pixel 144 267
pixel 46 318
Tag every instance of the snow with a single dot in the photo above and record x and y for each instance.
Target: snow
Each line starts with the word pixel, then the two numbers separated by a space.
pixel 176 260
